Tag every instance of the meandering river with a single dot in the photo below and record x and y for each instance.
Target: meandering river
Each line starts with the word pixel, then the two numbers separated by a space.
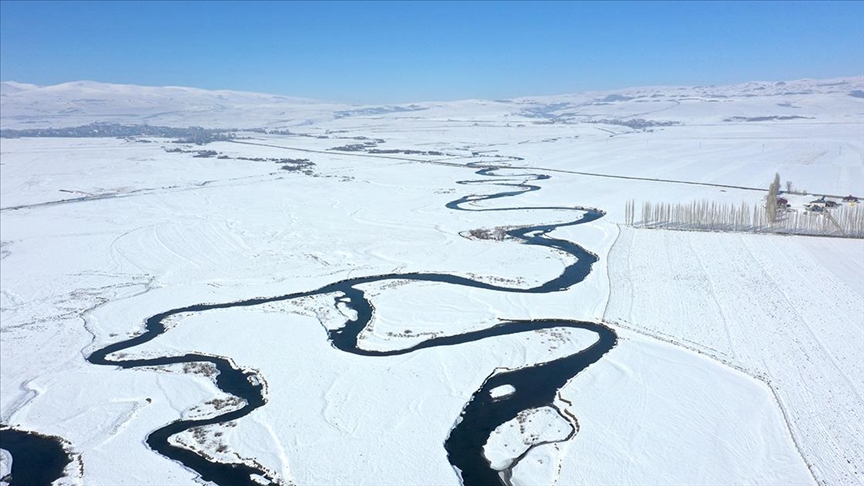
pixel 535 386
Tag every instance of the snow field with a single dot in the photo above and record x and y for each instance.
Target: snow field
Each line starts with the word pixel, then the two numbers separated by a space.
pixel 653 413
pixel 769 306
pixel 515 437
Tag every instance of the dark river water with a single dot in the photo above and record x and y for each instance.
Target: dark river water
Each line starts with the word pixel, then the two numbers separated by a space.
pixel 535 385
pixel 36 459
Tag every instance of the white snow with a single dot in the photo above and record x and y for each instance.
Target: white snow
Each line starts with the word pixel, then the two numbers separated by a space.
pixel 502 391
pixel 531 427
pixel 5 465
pixel 767 305
pixel 654 413
pixel 738 358
pixel 83 102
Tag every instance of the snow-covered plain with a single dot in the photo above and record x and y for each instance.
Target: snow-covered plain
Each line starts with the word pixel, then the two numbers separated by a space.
pixel 738 355
pixel 724 294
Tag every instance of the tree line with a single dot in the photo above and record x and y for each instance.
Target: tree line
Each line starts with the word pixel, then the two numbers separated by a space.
pixel 846 220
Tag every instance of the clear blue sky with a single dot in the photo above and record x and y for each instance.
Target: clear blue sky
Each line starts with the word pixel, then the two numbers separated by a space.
pixel 384 52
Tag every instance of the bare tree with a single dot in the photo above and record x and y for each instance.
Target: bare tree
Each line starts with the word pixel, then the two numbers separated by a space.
pixel 629 212
pixel 771 198
pixel 706 215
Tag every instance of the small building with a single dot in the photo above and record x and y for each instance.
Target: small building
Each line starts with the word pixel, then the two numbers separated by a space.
pixel 828 203
pixel 782 202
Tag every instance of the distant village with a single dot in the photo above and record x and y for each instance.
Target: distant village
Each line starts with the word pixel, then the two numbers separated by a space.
pixel 194 135
pixel 818 205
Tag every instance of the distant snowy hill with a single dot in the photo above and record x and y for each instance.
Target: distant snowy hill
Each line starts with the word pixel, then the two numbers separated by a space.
pixel 79 103
pixel 83 102
pixel 9 87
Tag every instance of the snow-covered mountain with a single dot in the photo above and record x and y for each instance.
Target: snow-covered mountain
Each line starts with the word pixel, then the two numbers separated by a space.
pixel 83 102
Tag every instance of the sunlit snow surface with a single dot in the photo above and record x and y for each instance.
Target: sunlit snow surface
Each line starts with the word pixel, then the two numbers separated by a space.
pixel 737 360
